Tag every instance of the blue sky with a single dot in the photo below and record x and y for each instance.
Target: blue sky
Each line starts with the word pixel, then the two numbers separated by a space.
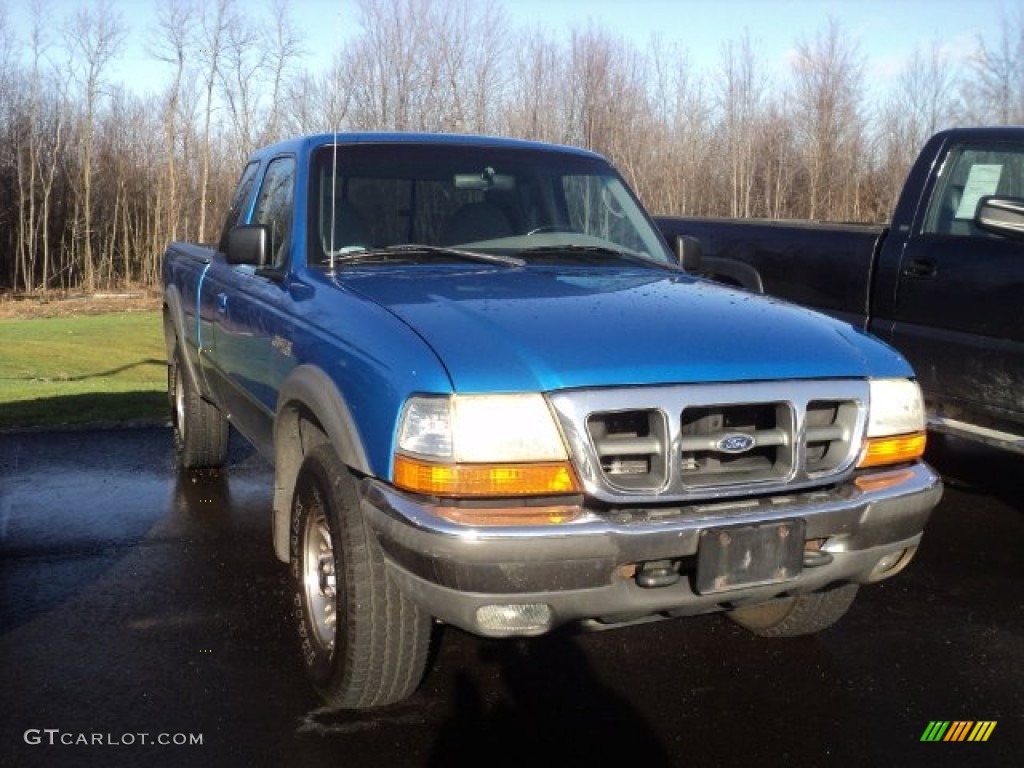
pixel 886 31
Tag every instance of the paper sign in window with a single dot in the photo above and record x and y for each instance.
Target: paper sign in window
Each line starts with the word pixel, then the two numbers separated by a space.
pixel 981 181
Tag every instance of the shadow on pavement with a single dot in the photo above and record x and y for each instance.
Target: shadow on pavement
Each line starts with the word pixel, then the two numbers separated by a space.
pixel 978 469
pixel 554 711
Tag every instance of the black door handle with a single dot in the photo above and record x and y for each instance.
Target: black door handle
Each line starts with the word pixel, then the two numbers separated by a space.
pixel 920 268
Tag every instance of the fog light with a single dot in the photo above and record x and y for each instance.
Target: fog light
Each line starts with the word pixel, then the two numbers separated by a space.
pixel 892 564
pixel 505 620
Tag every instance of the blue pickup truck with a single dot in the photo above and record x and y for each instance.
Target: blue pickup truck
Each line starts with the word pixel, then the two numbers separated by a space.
pixel 494 399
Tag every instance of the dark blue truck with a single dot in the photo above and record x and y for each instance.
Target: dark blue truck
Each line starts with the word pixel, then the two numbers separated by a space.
pixel 941 282
pixel 493 399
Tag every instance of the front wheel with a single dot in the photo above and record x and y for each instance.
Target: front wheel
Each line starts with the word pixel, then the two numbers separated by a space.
pixel 797 615
pixel 364 643
pixel 200 429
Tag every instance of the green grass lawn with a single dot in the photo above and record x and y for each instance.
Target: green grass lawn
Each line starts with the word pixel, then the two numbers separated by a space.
pixel 84 369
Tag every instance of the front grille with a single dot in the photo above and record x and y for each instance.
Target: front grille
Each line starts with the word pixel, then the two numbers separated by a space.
pixel 828 434
pixel 631 446
pixel 708 441
pixel 704 459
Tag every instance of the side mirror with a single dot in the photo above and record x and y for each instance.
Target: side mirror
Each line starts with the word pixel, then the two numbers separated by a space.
pixel 247 244
pixel 1002 215
pixel 689 253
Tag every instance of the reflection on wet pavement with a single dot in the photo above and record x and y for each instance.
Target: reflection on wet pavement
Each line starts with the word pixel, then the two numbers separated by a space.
pixel 138 599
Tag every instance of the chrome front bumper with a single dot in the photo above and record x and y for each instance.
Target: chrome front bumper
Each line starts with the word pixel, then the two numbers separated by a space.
pixel 586 569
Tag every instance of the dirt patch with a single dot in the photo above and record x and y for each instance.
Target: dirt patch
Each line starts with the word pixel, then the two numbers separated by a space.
pixel 15 307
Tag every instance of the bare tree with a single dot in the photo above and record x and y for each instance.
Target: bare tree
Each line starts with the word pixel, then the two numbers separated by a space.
pixel 828 82
pixel 94 36
pixel 742 85
pixel 473 50
pixel 996 93
pixel 171 42
pixel 392 69
pixel 685 153
pixel 46 121
pixel 88 198
pixel 536 93
pixel 923 100
pixel 319 103
pixel 284 50
pixel 215 24
pixel 242 64
pixel 777 148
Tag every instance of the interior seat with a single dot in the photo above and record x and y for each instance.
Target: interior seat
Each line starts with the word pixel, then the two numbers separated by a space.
pixel 474 222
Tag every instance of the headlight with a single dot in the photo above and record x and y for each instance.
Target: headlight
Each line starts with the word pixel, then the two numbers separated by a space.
pixel 895 429
pixel 896 407
pixel 482 445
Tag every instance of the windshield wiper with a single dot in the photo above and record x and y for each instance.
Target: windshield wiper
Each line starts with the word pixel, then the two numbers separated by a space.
pixel 593 250
pixel 414 249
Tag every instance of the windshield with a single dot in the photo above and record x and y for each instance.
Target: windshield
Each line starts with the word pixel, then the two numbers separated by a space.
pixel 534 204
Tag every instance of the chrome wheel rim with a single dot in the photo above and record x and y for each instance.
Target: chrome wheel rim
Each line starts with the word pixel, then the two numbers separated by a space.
pixel 318 578
pixel 179 403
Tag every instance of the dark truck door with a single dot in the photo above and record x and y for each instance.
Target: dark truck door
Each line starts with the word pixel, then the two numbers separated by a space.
pixel 960 294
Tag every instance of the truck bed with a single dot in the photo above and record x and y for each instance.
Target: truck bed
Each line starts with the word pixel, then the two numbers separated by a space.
pixel 783 252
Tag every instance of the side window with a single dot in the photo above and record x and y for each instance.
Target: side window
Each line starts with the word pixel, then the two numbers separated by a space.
pixel 237 201
pixel 970 173
pixel 274 206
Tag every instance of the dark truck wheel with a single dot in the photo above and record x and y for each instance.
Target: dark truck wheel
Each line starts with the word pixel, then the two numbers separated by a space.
pixel 200 429
pixel 364 643
pixel 798 615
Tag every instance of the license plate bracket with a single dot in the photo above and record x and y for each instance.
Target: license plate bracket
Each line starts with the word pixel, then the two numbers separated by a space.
pixel 733 557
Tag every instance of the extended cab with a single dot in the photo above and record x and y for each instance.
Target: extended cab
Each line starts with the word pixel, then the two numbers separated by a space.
pixel 492 398
pixel 942 283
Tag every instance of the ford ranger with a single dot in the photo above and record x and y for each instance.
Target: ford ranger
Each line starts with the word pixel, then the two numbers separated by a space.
pixel 493 399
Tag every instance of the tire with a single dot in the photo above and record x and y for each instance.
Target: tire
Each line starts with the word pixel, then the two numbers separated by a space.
pixel 364 643
pixel 200 429
pixel 798 615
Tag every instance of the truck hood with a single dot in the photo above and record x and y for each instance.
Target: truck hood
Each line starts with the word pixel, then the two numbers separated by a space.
pixel 544 329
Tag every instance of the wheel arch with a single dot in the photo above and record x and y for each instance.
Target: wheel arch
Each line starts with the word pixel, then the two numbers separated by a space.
pixel 175 335
pixel 310 411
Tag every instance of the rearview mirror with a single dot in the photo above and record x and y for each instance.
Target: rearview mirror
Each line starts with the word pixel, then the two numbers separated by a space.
pixel 485 181
pixel 1002 215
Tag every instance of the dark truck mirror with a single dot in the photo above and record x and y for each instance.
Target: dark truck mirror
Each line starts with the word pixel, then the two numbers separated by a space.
pixel 247 244
pixel 1002 215
pixel 689 253
pixel 729 271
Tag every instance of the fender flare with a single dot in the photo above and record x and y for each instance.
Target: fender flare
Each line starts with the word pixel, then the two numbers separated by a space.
pixel 175 334
pixel 310 410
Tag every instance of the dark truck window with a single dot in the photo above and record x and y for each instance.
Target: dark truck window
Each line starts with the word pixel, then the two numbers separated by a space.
pixel 970 173
pixel 274 205
pixel 475 197
pixel 238 199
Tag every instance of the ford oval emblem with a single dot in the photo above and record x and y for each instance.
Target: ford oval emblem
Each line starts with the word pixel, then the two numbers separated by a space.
pixel 737 442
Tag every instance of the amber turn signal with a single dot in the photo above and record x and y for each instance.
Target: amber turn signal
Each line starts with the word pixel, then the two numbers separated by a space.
pixel 880 481
pixel 879 451
pixel 478 480
pixel 546 515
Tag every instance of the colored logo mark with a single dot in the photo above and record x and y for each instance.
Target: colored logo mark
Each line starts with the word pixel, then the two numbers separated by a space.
pixel 958 730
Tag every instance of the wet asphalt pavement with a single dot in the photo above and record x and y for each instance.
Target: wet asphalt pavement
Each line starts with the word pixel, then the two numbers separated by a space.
pixel 136 600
